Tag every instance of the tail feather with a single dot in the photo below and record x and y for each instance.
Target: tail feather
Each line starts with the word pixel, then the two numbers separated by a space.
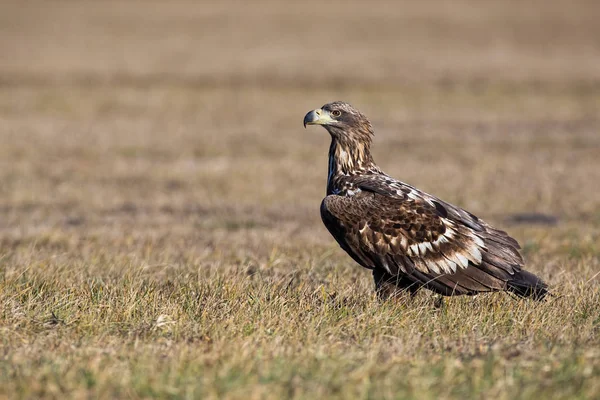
pixel 526 284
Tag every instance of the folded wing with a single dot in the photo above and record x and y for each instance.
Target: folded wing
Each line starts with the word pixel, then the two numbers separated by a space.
pixel 393 226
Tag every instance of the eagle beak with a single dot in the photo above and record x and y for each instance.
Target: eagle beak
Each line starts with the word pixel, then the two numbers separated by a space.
pixel 317 117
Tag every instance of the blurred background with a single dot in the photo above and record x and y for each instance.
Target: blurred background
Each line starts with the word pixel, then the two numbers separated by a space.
pixel 159 198
pixel 180 123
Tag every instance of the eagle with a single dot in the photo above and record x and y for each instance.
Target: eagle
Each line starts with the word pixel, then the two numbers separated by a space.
pixel 409 238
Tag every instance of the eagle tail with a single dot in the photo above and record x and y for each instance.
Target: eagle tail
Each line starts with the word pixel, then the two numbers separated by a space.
pixel 526 284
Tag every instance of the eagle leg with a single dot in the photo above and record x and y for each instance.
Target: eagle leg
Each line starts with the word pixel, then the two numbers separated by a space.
pixel 389 286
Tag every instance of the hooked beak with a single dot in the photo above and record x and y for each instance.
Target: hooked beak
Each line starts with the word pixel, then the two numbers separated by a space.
pixel 317 117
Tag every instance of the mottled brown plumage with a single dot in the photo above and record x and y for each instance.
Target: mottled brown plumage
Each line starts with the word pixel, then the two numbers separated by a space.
pixel 409 238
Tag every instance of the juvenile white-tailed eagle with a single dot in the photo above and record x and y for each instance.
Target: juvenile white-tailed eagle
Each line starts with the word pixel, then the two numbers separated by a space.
pixel 408 238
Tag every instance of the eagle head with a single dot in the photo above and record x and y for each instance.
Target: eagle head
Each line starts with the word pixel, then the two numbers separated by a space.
pixel 341 120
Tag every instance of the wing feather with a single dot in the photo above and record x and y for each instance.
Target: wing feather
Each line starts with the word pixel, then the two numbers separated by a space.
pixel 402 230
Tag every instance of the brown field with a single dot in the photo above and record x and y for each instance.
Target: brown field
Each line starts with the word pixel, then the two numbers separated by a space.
pixel 159 226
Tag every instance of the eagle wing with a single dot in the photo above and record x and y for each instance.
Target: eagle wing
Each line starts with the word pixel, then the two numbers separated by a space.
pixel 390 225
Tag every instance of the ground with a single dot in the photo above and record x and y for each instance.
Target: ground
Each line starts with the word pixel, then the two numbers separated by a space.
pixel 159 197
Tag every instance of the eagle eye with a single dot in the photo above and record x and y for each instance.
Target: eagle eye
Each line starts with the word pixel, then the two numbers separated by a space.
pixel 336 113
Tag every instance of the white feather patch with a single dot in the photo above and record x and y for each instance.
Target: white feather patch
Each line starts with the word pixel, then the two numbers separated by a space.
pixel 443 266
pixel 449 232
pixel 385 264
pixel 413 195
pixel 403 242
pixel 364 228
pixel 463 261
pixel 440 240
pixel 478 241
pixel 428 247
pixel 413 250
pixel 433 266
pixel 475 255
pixel 452 266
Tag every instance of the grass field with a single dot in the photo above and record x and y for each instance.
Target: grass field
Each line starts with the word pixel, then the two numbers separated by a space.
pixel 159 225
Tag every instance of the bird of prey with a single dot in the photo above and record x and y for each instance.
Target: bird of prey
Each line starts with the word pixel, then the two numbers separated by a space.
pixel 408 238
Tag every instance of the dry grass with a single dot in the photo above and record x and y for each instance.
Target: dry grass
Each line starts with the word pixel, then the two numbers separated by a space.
pixel 159 228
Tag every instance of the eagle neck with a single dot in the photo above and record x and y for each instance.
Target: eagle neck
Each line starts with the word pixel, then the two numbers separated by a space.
pixel 348 157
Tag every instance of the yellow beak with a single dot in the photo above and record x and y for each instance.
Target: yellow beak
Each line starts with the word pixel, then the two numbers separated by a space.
pixel 317 117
